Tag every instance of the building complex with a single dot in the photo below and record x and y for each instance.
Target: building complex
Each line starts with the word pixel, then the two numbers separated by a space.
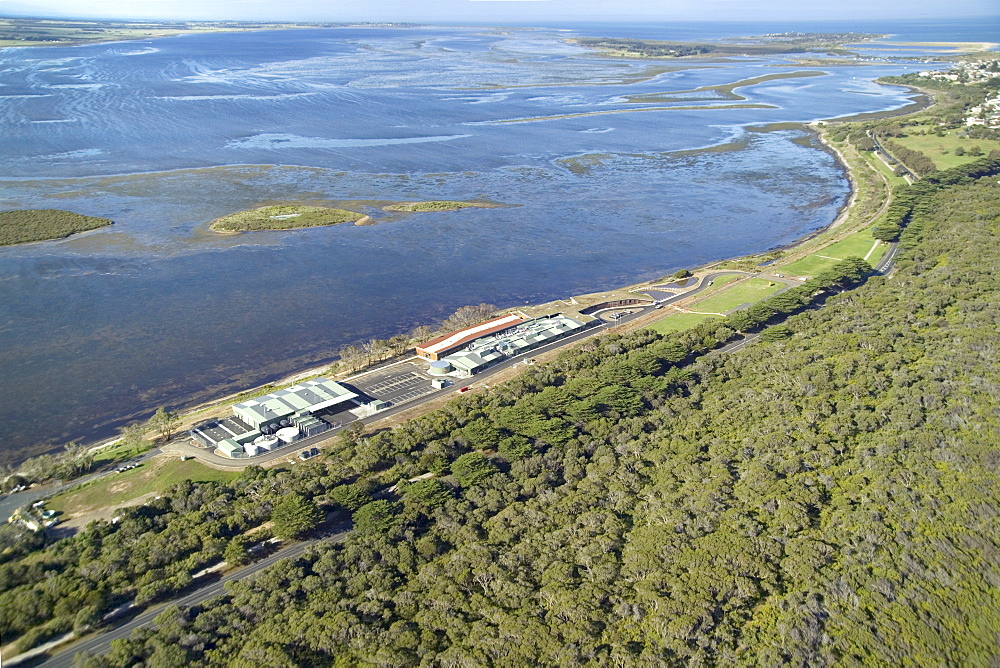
pixel 276 419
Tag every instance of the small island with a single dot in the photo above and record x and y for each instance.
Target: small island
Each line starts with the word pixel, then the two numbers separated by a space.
pixel 27 225
pixel 284 217
pixel 438 205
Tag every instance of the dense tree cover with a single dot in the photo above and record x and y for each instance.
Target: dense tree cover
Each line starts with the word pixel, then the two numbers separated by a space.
pixel 828 496
pixel 295 516
pixel 151 551
pixel 915 161
pixel 907 200
pixel 22 226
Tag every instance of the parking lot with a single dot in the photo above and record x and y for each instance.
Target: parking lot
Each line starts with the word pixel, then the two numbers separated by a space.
pixel 396 385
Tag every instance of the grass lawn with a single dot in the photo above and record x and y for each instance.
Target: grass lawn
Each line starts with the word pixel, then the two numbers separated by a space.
pixel 942 149
pixel 857 245
pixel 719 283
pixel 882 168
pixel 119 488
pixel 680 321
pixel 119 453
pixel 749 291
pixel 810 265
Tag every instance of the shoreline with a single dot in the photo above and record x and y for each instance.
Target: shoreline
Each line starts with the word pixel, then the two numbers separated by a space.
pixel 156 29
pixel 185 408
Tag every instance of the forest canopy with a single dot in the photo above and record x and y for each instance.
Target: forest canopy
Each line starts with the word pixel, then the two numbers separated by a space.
pixel 826 496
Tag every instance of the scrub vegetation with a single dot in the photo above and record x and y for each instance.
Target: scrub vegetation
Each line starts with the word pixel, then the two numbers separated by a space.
pixel 26 225
pixel 284 217
pixel 826 496
pixel 438 205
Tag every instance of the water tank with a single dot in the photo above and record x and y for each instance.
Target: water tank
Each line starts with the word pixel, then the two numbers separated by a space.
pixel 440 367
pixel 266 442
pixel 288 434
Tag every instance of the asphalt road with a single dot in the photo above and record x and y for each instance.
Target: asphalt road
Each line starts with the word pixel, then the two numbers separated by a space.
pixel 100 643
pixel 11 502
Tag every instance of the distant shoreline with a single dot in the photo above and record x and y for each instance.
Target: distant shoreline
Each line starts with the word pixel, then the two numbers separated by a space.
pixel 39 32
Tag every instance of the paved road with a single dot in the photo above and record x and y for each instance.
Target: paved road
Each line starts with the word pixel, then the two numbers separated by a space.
pixel 101 642
pixel 11 502
pixel 884 265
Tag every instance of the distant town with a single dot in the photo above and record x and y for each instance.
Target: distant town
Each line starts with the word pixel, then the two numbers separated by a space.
pixel 986 114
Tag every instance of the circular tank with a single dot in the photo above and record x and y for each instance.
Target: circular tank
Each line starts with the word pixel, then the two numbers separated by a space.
pixel 288 434
pixel 266 442
pixel 440 367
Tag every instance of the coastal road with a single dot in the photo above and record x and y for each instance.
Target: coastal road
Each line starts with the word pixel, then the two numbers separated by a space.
pixel 11 502
pixel 320 439
pixel 99 643
pixel 884 265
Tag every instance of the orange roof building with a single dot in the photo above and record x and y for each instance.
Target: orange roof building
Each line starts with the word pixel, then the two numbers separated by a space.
pixel 442 345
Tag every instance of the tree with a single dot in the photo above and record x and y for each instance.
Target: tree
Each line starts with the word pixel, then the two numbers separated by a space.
pixel 351 356
pixel 349 497
pixel 422 333
pixel 295 516
pixel 471 468
pixel 775 333
pixel 469 315
pixel 237 552
pixel 682 273
pixel 428 493
pixel 164 423
pixel 375 350
pixel 133 437
pixel 377 517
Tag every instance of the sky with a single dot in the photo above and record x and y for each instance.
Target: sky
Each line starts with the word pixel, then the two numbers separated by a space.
pixel 491 11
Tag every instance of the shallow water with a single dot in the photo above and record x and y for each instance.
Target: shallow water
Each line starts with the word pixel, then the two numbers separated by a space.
pixel 164 136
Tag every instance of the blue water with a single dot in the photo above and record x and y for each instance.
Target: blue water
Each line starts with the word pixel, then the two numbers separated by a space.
pixel 163 136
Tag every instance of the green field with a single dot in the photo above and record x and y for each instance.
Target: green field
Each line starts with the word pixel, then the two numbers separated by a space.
pixel 680 321
pixel 941 150
pixel 120 488
pixel 750 291
pixel 882 168
pixel 856 245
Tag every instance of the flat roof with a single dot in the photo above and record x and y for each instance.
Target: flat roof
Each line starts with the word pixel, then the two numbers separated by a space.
pixel 310 395
pixel 530 334
pixel 455 339
pixel 469 361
